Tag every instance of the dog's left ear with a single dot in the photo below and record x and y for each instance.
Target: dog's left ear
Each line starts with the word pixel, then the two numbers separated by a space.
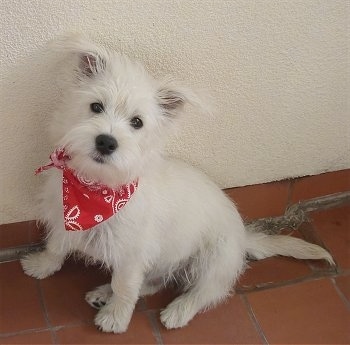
pixel 171 101
pixel 172 97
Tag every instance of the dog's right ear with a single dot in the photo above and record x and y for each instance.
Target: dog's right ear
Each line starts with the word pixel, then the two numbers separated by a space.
pixel 91 64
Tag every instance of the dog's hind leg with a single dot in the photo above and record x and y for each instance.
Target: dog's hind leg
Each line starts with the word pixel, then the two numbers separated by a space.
pixel 179 312
pixel 150 288
pixel 44 264
pixel 213 285
pixel 98 297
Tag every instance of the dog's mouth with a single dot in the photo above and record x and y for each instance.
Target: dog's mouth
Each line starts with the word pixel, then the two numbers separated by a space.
pixel 99 160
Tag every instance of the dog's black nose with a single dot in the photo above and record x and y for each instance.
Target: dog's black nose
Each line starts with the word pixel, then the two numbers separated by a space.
pixel 106 144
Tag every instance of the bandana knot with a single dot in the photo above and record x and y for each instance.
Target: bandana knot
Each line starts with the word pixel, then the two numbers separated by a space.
pixel 86 203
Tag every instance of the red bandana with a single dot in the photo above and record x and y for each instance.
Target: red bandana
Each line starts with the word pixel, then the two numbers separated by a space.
pixel 86 203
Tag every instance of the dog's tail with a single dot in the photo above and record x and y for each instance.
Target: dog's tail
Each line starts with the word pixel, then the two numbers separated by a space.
pixel 260 245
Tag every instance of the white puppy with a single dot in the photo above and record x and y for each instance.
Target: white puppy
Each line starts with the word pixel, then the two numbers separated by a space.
pixel 178 225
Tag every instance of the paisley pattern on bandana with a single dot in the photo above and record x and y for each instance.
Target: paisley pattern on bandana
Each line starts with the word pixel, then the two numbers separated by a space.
pixel 87 203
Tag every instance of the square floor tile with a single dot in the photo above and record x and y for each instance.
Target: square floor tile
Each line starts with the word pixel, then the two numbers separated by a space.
pixel 228 323
pixel 139 332
pixel 64 292
pixel 260 201
pixel 306 313
pixel 333 227
pixel 20 306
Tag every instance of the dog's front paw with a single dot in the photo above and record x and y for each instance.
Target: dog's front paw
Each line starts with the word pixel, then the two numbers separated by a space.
pixel 108 320
pixel 40 265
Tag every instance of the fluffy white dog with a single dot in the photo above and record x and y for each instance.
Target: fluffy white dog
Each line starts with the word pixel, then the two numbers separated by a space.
pixel 178 225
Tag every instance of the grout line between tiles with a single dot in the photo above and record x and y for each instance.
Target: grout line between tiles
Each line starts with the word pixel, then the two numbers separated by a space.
pixel 296 281
pixel 155 329
pixel 71 325
pixel 46 315
pixel 24 331
pixel 254 319
pixel 39 330
pixel 340 293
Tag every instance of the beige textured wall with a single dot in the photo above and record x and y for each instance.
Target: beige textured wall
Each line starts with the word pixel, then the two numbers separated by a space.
pixel 278 71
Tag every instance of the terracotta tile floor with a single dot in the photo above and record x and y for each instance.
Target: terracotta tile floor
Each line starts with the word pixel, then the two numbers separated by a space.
pixel 278 301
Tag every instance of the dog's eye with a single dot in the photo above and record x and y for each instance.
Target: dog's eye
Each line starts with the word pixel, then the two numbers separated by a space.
pixel 136 122
pixel 96 108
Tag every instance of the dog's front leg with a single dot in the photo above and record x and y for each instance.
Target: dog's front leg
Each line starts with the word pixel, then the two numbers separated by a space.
pixel 116 314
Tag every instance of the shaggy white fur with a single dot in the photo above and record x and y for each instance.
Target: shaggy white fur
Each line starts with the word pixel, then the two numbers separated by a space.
pixel 178 226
